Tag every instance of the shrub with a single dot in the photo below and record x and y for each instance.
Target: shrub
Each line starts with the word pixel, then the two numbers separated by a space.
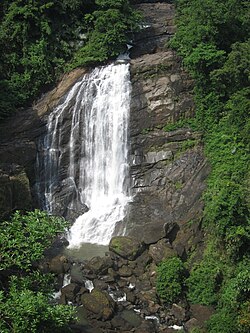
pixel 25 311
pixel 205 279
pixel 224 321
pixel 24 238
pixel 25 303
pixel 170 276
pixel 203 284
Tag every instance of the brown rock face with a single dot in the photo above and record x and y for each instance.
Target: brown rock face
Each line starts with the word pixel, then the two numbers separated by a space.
pixel 14 189
pixel 161 250
pixel 168 168
pixel 158 27
pixel 18 147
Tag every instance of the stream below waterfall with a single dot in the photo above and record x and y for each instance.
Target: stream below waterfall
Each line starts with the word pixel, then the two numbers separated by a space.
pixel 83 159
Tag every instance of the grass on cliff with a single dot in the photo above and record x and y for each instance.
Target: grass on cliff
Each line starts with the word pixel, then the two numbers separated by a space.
pixel 213 37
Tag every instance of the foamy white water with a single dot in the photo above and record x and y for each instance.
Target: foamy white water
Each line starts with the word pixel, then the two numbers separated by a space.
pixel 103 173
pixel 83 159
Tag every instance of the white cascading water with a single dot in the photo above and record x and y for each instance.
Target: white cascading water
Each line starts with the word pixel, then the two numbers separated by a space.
pixel 104 163
pixel 98 152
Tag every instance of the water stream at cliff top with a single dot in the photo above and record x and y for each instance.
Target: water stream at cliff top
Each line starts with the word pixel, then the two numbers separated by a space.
pixel 95 153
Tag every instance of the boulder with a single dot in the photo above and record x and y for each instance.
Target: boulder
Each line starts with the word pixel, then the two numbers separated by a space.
pixel 161 250
pixel 130 296
pixel 131 318
pixel 70 291
pixel 76 274
pixel 143 260
pixel 99 284
pixel 126 247
pixel 179 313
pixel 125 271
pixel 146 327
pixel 191 324
pixel 99 304
pixel 201 313
pixel 99 265
pixel 57 264
pixel 125 321
pixel 152 232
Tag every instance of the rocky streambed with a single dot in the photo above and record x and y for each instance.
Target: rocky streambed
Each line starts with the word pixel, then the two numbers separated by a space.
pixel 117 292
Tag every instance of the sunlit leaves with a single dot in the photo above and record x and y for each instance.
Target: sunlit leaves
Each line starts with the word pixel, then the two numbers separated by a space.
pixel 24 238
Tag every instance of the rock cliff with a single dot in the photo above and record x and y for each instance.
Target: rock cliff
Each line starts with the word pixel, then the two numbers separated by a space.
pixel 168 169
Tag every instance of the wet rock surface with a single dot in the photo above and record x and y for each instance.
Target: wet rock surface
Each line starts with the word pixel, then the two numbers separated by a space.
pixel 115 294
pixel 19 136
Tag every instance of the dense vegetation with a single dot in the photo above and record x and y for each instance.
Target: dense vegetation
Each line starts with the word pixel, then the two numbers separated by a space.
pixel 25 293
pixel 42 39
pixel 170 278
pixel 213 38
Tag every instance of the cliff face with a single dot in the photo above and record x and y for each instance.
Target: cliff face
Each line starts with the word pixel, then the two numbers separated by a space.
pixel 19 137
pixel 168 169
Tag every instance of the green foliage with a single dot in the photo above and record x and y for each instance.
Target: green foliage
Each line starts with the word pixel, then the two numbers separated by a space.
pixel 40 38
pixel 244 317
pixel 189 123
pixel 24 238
pixel 170 277
pixel 213 38
pixel 223 322
pixel 205 278
pixel 35 37
pixel 108 30
pixel 236 288
pixel 25 301
pixel 226 206
pixel 26 311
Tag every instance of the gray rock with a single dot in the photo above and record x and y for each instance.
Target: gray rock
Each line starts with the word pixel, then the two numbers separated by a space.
pixel 126 247
pixel 151 232
pixel 161 250
pixel 76 274
pixel 131 317
pixel 202 313
pixel 99 265
pixel 70 291
pixel 99 304
pixel 14 189
pixel 191 324
pixel 179 313
pixel 125 271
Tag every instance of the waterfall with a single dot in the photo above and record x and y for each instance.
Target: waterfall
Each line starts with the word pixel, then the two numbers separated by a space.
pixel 89 165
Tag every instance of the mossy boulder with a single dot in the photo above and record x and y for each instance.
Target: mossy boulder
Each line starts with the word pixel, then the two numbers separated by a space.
pixel 161 251
pixel 126 247
pixel 99 304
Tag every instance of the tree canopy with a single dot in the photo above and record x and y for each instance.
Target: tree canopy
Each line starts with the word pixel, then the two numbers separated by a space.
pixel 42 39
